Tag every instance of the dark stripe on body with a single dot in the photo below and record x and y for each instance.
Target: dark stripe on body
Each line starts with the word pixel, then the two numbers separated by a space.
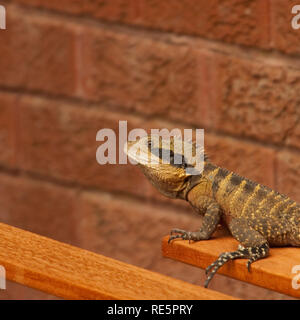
pixel 208 167
pixel 233 183
pixel 219 177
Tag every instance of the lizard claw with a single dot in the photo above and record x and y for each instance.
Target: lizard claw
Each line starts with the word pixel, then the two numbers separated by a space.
pixel 182 234
pixel 187 235
pixel 249 264
pixel 214 264
pixel 207 270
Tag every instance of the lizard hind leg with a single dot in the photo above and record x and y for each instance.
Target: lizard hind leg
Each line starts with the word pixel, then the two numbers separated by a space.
pixel 253 247
pixel 250 253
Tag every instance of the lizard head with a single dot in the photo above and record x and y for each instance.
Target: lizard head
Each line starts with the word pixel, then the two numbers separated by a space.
pixel 167 163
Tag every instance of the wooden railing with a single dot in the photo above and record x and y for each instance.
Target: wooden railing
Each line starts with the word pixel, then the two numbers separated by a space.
pixel 74 273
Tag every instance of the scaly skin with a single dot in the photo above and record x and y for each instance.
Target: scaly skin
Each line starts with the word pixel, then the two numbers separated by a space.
pixel 257 216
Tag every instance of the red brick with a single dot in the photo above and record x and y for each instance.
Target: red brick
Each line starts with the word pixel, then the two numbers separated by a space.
pixel 116 10
pixel 283 36
pixel 37 53
pixel 256 99
pixel 144 74
pixel 249 160
pixel 38 207
pixel 8 105
pixel 288 171
pixel 233 21
pixel 59 141
pixel 70 6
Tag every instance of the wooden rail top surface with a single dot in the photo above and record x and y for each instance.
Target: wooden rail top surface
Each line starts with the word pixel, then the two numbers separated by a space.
pixel 273 272
pixel 73 273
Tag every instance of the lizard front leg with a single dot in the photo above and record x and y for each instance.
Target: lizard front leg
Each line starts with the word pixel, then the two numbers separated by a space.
pixel 253 247
pixel 210 221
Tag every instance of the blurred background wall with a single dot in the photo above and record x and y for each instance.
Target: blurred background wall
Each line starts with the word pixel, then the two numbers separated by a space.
pixel 70 68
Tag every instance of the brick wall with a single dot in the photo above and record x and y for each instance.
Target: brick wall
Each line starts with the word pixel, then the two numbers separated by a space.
pixel 70 68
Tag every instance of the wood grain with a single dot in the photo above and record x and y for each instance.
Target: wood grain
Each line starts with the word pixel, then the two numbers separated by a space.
pixel 73 273
pixel 273 272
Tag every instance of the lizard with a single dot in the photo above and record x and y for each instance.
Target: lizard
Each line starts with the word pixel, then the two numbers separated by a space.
pixel 256 216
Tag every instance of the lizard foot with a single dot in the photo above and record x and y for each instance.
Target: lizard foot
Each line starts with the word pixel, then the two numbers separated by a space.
pixel 252 253
pixel 212 269
pixel 185 235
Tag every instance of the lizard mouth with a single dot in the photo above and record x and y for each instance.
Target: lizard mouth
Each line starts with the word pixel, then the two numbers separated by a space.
pixel 138 151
